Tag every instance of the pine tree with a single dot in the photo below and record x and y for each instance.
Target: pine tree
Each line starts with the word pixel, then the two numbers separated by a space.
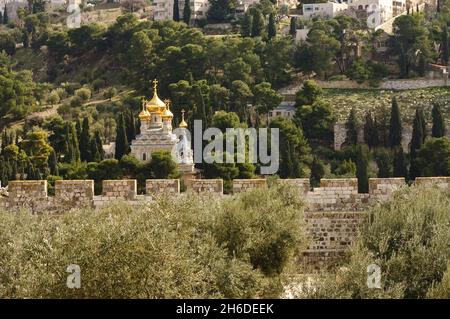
pixel 438 129
pixel 121 138
pixel 395 125
pixel 293 27
pixel 362 161
pixel 187 12
pixel 53 163
pixel 246 27
pixel 272 28
pixel 399 163
pixel 352 128
pixel 5 16
pixel 84 141
pixel 176 11
pixel 257 24
pixel 445 44
pixel 370 131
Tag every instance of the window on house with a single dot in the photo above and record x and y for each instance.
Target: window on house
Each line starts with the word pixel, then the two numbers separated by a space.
pixel 144 157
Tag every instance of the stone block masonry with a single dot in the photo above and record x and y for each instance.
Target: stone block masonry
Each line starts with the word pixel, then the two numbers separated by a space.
pixel 242 185
pixel 428 182
pixel 157 187
pixel 31 194
pixel 380 189
pixel 124 189
pixel 302 184
pixel 206 186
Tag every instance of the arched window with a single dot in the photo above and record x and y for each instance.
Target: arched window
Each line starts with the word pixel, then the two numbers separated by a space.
pixel 144 157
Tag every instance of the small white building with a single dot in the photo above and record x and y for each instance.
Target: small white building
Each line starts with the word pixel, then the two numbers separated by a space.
pixel 163 9
pixel 379 8
pixel 285 110
pixel 325 10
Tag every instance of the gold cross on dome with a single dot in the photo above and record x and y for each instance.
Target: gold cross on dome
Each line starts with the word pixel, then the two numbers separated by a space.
pixel 167 102
pixel 155 83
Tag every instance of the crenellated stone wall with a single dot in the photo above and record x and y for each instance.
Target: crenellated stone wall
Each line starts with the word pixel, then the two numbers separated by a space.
pixel 157 187
pixel 124 189
pixel 208 186
pixel 380 189
pixel 242 185
pixel 333 211
pixel 302 184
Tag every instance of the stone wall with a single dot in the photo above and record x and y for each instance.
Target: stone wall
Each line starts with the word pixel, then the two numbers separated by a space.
pixel 380 189
pixel 74 192
pixel 428 182
pixel 31 194
pixel 209 186
pixel 157 187
pixel 241 185
pixel 124 189
pixel 302 184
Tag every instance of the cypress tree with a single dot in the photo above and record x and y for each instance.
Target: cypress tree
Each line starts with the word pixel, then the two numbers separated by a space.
pixel 176 11
pixel 257 24
pixel 130 126
pixel 187 12
pixel 438 129
pixel 78 129
pixel 98 141
pixel 94 151
pixel 317 171
pixel 370 131
pixel 138 126
pixel 293 27
pixel 421 65
pixel 272 28
pixel 1 17
pixel 246 27
pixel 399 163
pixel 445 44
pixel 84 141
pixel 362 161
pixel 53 163
pixel 417 133
pixel 5 16
pixel 424 124
pixel 395 125
pixel 73 150
pixel 352 129
pixel 121 138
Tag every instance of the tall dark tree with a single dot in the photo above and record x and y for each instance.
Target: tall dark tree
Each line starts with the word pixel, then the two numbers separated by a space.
pixel 438 129
pixel 130 125
pixel 444 44
pixel 399 163
pixel 187 12
pixel 53 163
pixel 257 24
pixel 78 128
pixel 246 27
pixel 317 171
pixel 271 28
pixel 85 141
pixel 72 150
pixel 121 138
pixel 362 161
pixel 417 133
pixel 5 16
pixel 352 129
pixel 98 141
pixel 176 10
pixel 395 125
pixel 370 131
pixel 293 27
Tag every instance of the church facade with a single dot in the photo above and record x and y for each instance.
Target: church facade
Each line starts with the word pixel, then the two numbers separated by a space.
pixel 157 134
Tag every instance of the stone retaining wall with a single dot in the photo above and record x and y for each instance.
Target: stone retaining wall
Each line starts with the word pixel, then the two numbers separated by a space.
pixel 125 189
pixel 156 187
pixel 209 186
pixel 241 185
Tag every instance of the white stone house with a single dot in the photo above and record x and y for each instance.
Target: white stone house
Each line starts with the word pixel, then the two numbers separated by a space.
pixel 163 9
pixel 326 10
pixel 285 110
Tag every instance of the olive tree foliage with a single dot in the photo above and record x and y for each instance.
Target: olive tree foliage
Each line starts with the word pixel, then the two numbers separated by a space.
pixel 407 237
pixel 191 247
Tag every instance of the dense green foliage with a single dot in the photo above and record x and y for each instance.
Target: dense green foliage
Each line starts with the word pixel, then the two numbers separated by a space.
pixel 189 248
pixel 407 237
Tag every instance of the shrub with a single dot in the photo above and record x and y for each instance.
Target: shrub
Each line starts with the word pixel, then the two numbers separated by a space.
pixel 84 94
pixel 407 237
pixel 163 249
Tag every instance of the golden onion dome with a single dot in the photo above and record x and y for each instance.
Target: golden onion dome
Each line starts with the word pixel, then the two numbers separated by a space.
pixel 144 115
pixel 183 123
pixel 167 114
pixel 155 105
